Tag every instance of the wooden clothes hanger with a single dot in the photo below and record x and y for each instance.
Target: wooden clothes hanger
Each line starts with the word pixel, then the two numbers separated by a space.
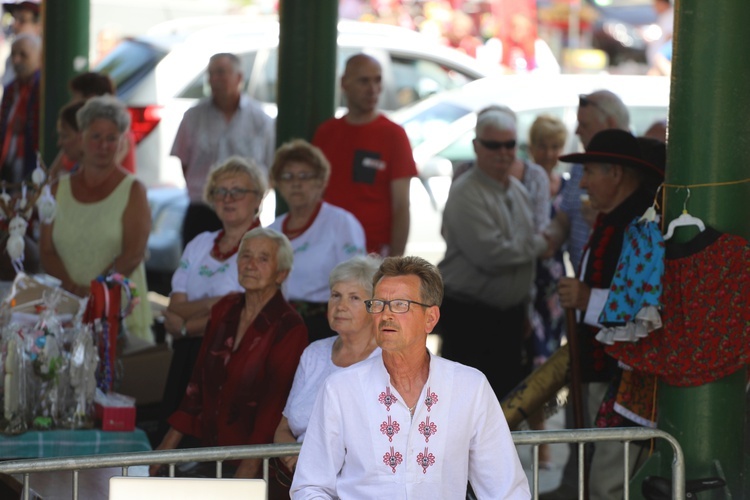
pixel 685 219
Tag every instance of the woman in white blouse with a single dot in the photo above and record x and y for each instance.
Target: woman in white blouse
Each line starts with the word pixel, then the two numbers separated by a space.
pixel 322 235
pixel 208 268
pixel 350 284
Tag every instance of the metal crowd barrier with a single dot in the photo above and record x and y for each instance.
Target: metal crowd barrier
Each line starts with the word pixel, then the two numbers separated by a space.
pixel 222 454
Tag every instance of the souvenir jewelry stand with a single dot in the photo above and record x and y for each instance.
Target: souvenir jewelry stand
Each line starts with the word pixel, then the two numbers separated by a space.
pixel 103 312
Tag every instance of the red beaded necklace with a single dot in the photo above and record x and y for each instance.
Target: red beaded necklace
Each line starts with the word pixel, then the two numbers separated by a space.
pixel 217 254
pixel 293 233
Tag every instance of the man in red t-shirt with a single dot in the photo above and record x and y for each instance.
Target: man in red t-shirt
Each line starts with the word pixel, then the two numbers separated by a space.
pixel 371 160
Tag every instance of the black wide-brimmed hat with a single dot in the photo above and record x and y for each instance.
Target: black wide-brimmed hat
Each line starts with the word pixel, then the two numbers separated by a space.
pixel 618 147
pixel 11 6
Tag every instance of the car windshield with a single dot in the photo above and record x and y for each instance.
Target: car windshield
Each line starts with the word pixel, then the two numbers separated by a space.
pixel 431 121
pixel 128 63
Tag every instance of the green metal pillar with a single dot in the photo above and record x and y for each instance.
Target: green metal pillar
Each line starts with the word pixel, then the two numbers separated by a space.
pixel 708 150
pixel 307 70
pixel 66 53
pixel 307 66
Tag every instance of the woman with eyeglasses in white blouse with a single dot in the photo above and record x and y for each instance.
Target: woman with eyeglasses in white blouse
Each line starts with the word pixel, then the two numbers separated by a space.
pixel 322 235
pixel 208 268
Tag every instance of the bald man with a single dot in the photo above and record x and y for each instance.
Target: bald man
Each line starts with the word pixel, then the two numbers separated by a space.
pixel 371 160
pixel 19 111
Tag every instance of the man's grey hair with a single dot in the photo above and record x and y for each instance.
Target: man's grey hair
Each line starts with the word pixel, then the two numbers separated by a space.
pixel 611 106
pixel 105 107
pixel 496 116
pixel 34 40
pixel 236 63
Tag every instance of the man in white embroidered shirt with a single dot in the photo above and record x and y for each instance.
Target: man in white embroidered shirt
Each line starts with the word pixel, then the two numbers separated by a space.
pixel 407 424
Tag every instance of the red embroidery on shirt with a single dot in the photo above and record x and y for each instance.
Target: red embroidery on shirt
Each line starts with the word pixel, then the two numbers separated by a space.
pixel 387 398
pixel 430 399
pixel 390 428
pixel 427 429
pixel 393 459
pixel 425 460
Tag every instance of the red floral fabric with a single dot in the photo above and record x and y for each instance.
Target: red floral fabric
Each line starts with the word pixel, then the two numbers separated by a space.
pixel 706 333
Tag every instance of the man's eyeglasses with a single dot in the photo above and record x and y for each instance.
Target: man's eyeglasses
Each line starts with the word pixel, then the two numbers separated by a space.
pixel 584 100
pixel 220 194
pixel 494 145
pixel 398 306
pixel 300 176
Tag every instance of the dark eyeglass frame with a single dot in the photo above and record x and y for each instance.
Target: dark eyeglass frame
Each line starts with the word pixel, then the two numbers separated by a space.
pixel 584 100
pixel 495 145
pixel 371 302
pixel 299 176
pixel 235 194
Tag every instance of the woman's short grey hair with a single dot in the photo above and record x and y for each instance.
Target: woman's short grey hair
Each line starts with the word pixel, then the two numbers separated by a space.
pixel 496 116
pixel 359 269
pixel 235 165
pixel 285 254
pixel 105 107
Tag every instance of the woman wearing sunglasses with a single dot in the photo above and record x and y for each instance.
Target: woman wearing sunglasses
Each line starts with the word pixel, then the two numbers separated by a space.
pixel 208 268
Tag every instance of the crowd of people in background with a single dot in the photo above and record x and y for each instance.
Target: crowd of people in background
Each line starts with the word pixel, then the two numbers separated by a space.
pixel 498 33
pixel 260 318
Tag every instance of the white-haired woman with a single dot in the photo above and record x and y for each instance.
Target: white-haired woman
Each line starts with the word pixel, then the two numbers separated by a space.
pixel 246 365
pixel 350 283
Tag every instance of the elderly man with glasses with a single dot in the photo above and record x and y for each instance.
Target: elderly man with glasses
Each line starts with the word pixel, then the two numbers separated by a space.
pixel 407 423
pixel 493 238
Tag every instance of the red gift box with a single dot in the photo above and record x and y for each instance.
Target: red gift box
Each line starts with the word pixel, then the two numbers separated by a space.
pixel 116 412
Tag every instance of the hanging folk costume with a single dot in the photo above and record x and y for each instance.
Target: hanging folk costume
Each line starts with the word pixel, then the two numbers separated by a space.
pixel 706 333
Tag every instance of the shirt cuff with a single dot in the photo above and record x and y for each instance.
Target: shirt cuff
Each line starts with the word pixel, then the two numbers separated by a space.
pixel 594 308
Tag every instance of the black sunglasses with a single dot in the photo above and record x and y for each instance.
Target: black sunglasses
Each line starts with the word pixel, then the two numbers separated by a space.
pixel 494 145
pixel 584 100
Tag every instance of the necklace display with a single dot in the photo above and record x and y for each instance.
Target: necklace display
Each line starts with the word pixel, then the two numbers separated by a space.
pixel 216 252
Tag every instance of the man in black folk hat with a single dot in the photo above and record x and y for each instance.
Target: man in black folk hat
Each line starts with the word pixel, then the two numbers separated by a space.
pixel 621 183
